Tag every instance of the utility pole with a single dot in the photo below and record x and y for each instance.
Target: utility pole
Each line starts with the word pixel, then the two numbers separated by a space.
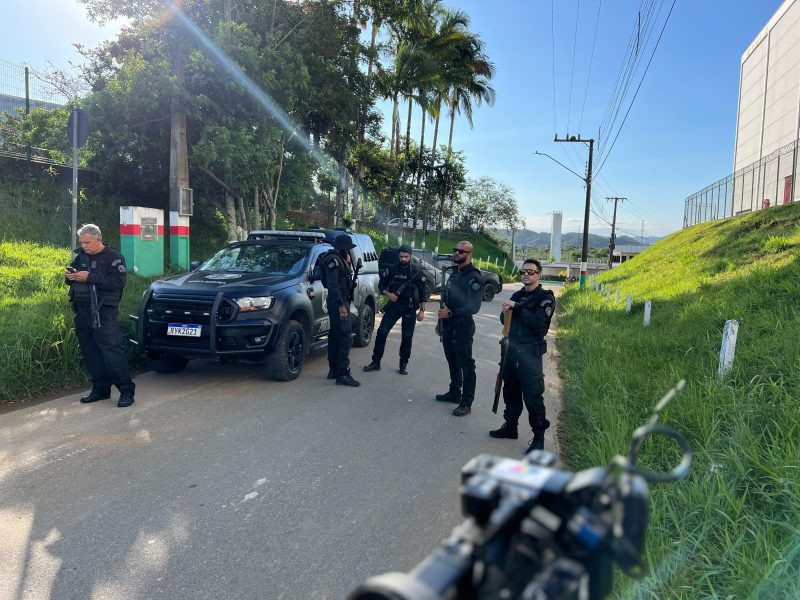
pixel 613 241
pixel 588 181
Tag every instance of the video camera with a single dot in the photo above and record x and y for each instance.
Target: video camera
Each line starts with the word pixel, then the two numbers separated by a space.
pixel 538 532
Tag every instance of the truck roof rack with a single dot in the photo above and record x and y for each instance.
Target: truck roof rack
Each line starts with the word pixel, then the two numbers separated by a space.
pixel 274 234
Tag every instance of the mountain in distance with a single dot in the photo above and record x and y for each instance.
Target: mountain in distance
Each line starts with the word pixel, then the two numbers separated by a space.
pixel 536 239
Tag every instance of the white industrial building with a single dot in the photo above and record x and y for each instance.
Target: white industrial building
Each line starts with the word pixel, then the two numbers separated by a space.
pixel 768 120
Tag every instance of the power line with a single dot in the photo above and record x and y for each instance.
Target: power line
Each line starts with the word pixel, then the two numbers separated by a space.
pixel 553 39
pixel 629 66
pixel 647 68
pixel 591 60
pixel 574 52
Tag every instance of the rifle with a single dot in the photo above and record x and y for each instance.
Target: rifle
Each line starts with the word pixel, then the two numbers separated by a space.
pixel 498 384
pixel 442 302
pixel 403 285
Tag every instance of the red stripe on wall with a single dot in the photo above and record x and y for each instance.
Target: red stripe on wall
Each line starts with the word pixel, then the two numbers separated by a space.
pixel 160 230
pixel 179 230
pixel 132 229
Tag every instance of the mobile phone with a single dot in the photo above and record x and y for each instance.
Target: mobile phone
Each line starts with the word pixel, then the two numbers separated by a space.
pixel 71 270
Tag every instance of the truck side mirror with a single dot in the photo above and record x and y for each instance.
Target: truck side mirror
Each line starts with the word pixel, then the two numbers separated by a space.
pixel 194 264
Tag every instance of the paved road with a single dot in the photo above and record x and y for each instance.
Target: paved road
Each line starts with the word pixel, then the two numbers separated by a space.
pixel 220 484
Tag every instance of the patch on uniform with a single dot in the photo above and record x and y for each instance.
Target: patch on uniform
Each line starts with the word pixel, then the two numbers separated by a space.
pixel 332 264
pixel 93 265
pixel 422 278
pixel 475 285
pixel 116 262
pixel 121 268
pixel 548 310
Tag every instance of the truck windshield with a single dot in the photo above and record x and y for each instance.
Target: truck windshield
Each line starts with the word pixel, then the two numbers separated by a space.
pixel 258 258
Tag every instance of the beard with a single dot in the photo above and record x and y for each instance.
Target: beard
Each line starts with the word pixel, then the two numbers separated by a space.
pixel 460 259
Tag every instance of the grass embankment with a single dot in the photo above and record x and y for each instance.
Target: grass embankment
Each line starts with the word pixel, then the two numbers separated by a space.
pixel 38 348
pixel 732 530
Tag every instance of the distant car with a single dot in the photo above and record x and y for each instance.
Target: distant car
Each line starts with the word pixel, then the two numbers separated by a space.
pixel 492 284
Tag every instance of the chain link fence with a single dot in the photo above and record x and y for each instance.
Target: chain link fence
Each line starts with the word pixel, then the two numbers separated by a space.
pixel 22 90
pixel 767 182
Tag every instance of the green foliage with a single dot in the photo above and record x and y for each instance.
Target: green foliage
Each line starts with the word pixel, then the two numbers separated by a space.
pixel 730 530
pixel 777 243
pixel 38 347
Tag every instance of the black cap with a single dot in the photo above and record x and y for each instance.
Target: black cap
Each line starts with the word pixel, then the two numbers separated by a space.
pixel 343 242
pixel 405 248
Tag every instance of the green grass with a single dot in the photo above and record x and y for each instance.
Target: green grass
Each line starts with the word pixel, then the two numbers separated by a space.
pixel 38 348
pixel 732 530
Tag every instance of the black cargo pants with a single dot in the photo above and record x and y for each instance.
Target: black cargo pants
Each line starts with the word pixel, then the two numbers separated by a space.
pixel 457 342
pixel 101 349
pixel 523 379
pixel 393 313
pixel 340 340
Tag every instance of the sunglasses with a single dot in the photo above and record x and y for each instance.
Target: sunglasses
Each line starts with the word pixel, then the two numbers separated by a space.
pixel 529 272
pixel 460 251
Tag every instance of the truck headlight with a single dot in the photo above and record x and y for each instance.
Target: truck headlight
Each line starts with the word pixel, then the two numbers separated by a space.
pixel 247 303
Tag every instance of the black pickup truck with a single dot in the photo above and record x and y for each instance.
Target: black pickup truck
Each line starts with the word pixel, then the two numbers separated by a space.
pixel 253 299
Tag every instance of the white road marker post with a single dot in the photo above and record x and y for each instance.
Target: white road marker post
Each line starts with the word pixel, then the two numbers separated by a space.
pixel 647 308
pixel 728 349
pixel 628 303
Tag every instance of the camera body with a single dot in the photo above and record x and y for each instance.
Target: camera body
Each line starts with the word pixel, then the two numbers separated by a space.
pixel 536 531
pixel 532 530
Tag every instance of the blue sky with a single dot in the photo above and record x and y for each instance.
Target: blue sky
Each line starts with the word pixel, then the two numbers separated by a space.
pixel 677 139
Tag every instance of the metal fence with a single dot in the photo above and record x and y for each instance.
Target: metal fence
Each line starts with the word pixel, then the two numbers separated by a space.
pixel 23 88
pixel 767 182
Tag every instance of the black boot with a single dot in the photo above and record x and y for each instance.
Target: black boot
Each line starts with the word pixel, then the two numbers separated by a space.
pixel 462 410
pixel 125 398
pixel 507 430
pixel 452 397
pixel 347 379
pixel 332 373
pixel 375 365
pixel 537 443
pixel 95 395
pixel 540 426
pixel 403 365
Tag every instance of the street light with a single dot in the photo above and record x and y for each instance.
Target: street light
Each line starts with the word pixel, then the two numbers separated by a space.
pixel 588 182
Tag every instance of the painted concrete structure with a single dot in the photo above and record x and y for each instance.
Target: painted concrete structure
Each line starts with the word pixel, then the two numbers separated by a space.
pixel 141 236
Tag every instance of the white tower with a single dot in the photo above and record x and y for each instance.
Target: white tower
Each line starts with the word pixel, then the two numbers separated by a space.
pixel 555 237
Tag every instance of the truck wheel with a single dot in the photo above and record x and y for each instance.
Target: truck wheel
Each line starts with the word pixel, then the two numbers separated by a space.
pixel 488 292
pixel 364 326
pixel 286 361
pixel 165 363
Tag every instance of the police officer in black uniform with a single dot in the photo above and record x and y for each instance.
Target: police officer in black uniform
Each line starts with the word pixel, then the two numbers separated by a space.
pixel 404 285
pixel 340 284
pixel 463 291
pixel 96 277
pixel 531 309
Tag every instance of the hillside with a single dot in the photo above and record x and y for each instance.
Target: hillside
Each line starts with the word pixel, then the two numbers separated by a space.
pixel 730 530
pixel 541 239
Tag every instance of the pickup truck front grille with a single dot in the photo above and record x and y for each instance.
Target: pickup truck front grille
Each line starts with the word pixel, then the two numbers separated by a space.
pixel 189 310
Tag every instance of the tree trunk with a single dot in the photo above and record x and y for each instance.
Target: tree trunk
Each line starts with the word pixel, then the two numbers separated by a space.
pixel 419 180
pixel 230 216
pixel 362 129
pixel 243 217
pixel 272 209
pixel 257 224
pixel 408 128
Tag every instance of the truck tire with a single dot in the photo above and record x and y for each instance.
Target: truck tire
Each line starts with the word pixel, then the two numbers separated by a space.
pixel 286 361
pixel 488 292
pixel 364 325
pixel 165 363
